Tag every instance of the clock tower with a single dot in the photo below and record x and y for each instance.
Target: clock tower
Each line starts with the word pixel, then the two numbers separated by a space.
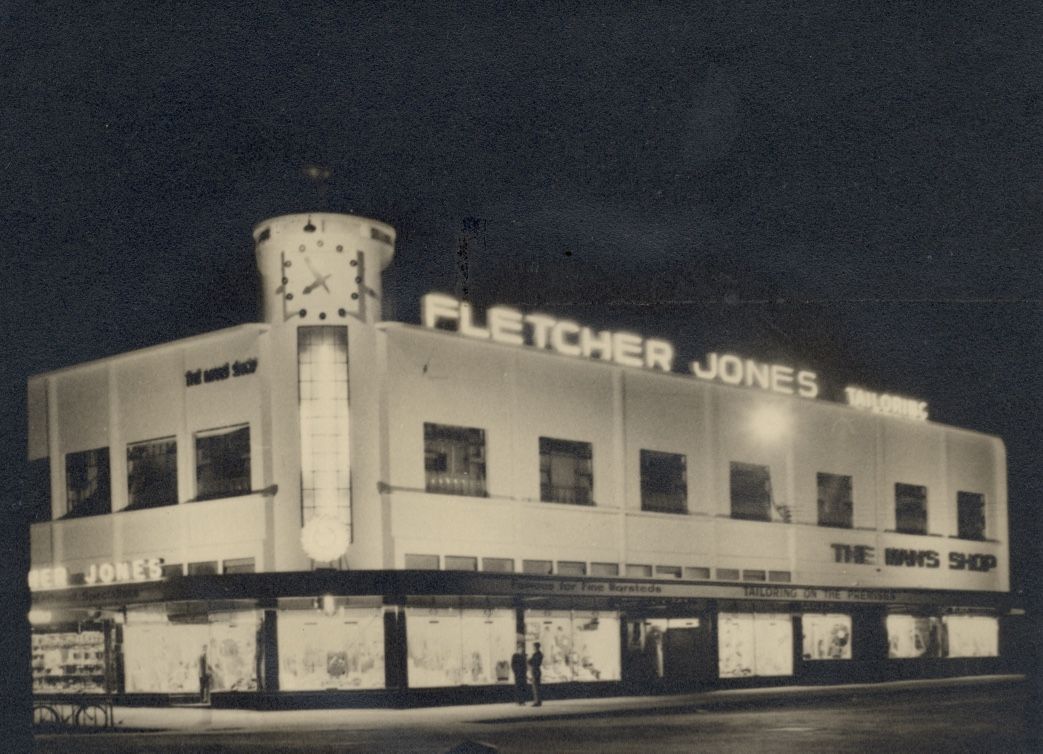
pixel 322 268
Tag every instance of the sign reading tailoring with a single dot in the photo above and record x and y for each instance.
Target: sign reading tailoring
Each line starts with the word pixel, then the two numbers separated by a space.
pixel 506 325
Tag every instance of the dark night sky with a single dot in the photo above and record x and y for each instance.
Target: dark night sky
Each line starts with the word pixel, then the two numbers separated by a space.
pixel 853 189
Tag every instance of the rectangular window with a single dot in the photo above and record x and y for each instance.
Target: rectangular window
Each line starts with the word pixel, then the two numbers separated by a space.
pixel 87 483
pixel 970 512
pixel 422 562
pixel 664 482
pixel 604 569
pixel 972 635
pixel 203 568
pixel 638 571
pixel 239 565
pixel 152 474
pixel 754 575
pixel 914 636
pixel 498 565
pixel 668 572
pixel 750 492
pixel 572 568
pixel 223 462
pixel 728 574
pixel 754 644
pixel 542 567
pixel 454 460
pixel 910 509
pixel 461 563
pixel 566 472
pixel 172 570
pixel 697 573
pixel 834 500
pixel 780 576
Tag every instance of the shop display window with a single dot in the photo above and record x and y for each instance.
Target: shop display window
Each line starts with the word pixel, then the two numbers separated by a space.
pixel 834 500
pixel 826 636
pixel 566 471
pixel 911 636
pixel 69 663
pixel 576 645
pixel 223 462
pixel 755 644
pixel 152 474
pixel 910 508
pixel 167 657
pixel 750 492
pixel 87 488
pixel 664 482
pixel 454 460
pixel 972 635
pixel 970 510
pixel 341 651
pixel 454 647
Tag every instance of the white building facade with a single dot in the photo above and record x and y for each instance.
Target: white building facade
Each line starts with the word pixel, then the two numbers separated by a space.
pixel 324 507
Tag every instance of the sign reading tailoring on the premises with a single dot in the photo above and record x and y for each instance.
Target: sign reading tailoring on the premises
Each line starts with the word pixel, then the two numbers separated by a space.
pixel 506 325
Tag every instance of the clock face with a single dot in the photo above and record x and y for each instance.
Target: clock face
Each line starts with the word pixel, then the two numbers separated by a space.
pixel 313 285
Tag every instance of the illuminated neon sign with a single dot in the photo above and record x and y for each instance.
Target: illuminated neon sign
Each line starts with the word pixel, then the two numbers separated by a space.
pixel 57 577
pixel 509 326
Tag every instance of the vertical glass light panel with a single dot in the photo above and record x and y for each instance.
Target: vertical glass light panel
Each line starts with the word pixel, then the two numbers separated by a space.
pixel 322 365
pixel 972 635
pixel 342 651
pixel 826 636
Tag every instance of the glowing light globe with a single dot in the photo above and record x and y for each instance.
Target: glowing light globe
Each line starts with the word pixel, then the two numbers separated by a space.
pixel 324 538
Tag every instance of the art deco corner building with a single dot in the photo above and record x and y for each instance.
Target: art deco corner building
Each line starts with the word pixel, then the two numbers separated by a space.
pixel 324 507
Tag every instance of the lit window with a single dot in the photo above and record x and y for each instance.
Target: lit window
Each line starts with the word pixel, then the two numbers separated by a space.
pixel 664 482
pixel 223 462
pixel 915 636
pixel 834 500
pixel 972 635
pixel 826 636
pixel 152 474
pixel 750 492
pixel 970 511
pixel 454 460
pixel 566 472
pixel 910 509
pixel 87 483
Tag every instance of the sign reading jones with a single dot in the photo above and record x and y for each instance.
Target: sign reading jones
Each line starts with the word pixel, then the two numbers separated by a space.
pixel 512 327
pixel 109 572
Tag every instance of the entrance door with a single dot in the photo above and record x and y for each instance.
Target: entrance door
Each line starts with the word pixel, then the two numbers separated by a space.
pixel 687 652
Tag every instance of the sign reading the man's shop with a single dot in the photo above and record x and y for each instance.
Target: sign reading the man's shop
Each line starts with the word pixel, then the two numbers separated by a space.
pixel 223 372
pixel 903 557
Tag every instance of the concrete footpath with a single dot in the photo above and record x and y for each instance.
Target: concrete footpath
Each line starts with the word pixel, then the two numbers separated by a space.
pixel 204 718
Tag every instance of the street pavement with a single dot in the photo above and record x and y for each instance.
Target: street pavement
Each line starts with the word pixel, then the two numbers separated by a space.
pixel 970 714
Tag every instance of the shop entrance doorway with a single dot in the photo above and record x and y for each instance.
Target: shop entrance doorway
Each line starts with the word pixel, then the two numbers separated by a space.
pixel 668 653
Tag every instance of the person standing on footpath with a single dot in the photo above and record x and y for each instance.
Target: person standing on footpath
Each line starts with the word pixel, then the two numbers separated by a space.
pixel 536 663
pixel 518 667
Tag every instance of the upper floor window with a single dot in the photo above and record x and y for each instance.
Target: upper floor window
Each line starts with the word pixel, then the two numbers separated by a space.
pixel 454 460
pixel 88 492
pixel 223 462
pixel 152 473
pixel 751 492
pixel 910 508
pixel 566 471
pixel 834 500
pixel 664 482
pixel 970 513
